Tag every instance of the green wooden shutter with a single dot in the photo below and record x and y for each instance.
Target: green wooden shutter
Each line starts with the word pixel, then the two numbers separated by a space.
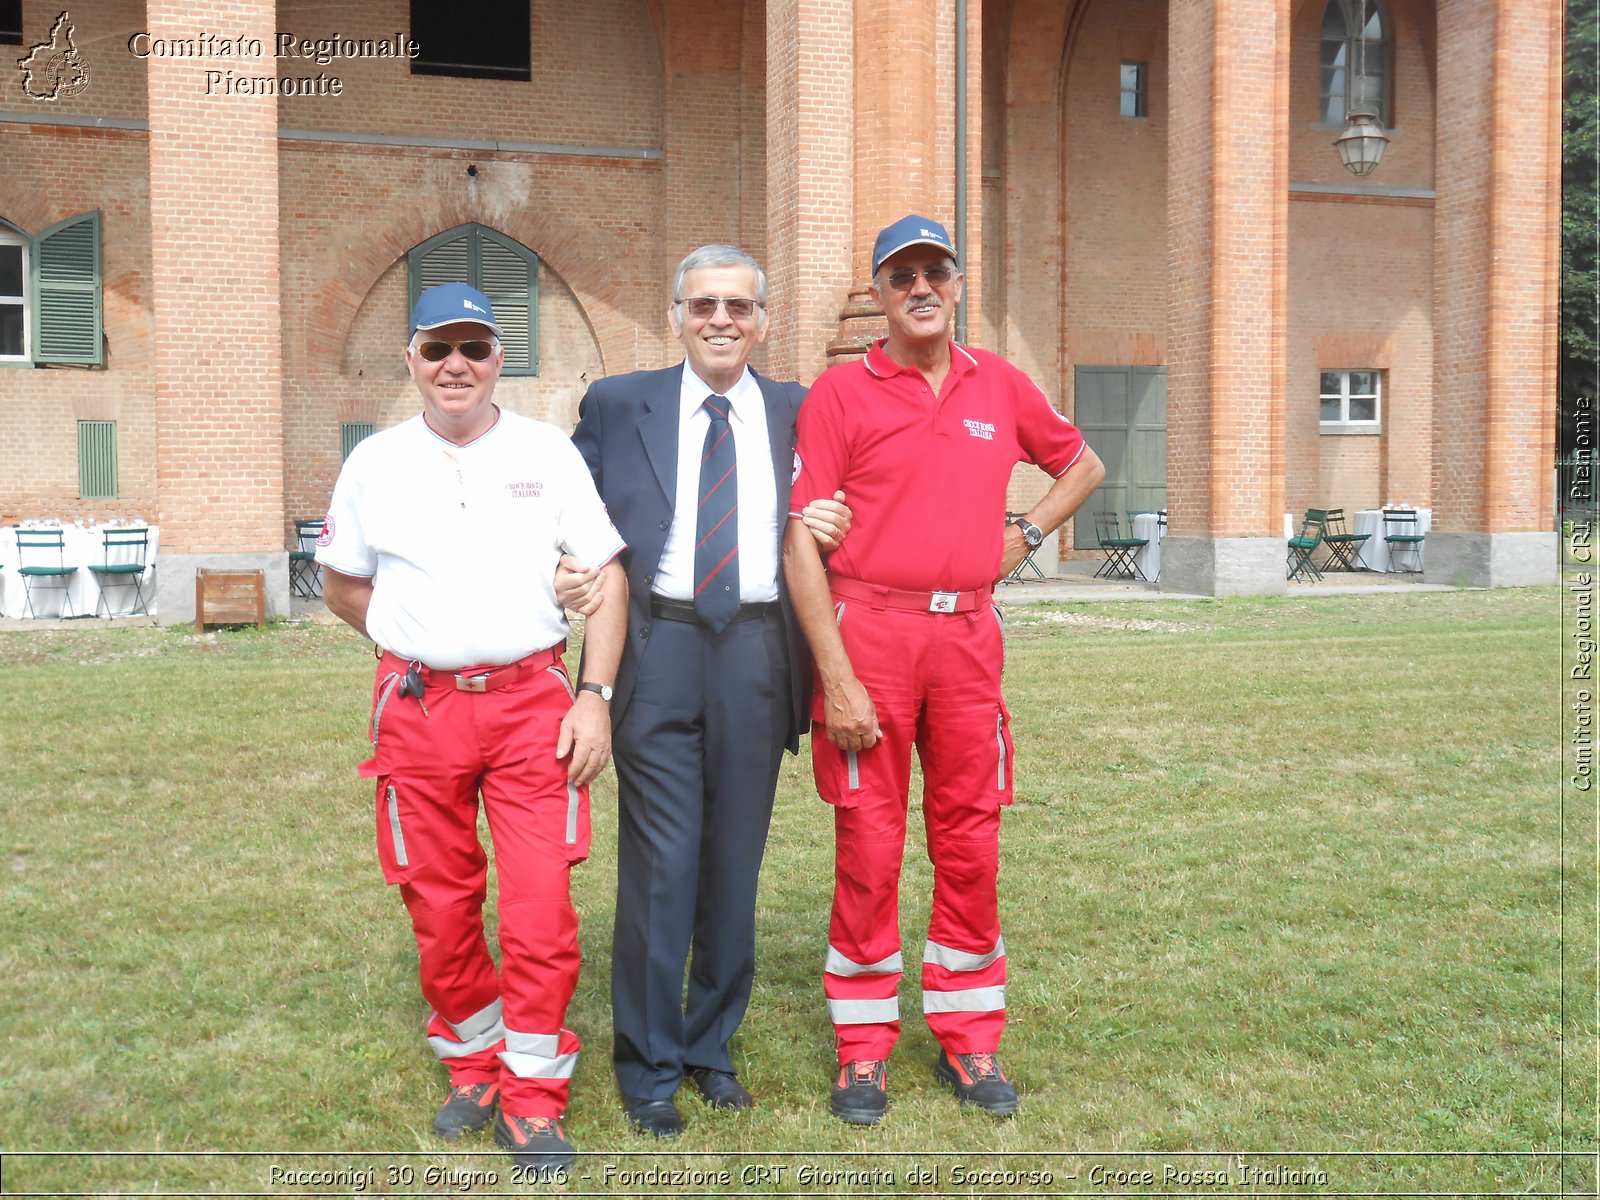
pixel 502 269
pixel 443 259
pixel 350 434
pixel 510 278
pixel 97 460
pixel 69 324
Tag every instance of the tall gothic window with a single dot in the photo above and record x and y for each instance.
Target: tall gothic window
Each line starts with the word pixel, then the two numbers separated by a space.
pixel 1345 85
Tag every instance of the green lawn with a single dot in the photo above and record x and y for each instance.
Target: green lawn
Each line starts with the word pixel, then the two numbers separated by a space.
pixel 1283 891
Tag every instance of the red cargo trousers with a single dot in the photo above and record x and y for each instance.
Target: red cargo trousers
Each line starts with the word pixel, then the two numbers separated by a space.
pixel 432 760
pixel 934 679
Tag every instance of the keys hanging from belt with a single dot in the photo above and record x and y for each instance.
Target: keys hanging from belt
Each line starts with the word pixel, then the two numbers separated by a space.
pixel 411 685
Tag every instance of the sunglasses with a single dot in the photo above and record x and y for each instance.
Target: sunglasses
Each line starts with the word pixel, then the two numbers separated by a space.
pixel 475 350
pixel 902 280
pixel 739 308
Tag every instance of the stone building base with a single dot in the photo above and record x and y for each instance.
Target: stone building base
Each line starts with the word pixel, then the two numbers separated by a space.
pixel 1489 559
pixel 1223 566
pixel 175 581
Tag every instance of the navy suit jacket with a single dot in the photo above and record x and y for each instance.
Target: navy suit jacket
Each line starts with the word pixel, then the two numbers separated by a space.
pixel 628 434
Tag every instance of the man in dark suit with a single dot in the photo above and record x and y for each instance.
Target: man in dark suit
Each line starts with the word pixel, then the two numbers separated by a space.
pixel 694 464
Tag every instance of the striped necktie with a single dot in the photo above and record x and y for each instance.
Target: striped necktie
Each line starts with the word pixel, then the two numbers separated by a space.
pixel 716 542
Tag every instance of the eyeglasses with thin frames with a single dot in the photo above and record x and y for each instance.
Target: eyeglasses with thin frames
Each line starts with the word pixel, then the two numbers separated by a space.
pixel 475 349
pixel 902 280
pixel 740 308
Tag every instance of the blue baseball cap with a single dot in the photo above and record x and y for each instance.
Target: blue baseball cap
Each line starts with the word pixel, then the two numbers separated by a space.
pixel 448 303
pixel 910 230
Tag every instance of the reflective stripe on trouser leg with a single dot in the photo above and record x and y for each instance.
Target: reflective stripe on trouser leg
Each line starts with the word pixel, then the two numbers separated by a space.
pixel 541 1055
pixel 957 985
pixel 862 993
pixel 483 1030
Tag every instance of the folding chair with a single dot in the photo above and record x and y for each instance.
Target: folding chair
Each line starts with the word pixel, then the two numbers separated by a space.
pixel 1343 546
pixel 123 566
pixel 1400 532
pixel 1027 564
pixel 1303 546
pixel 43 546
pixel 305 573
pixel 1119 550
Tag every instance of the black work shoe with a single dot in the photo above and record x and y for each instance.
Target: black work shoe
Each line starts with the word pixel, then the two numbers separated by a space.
pixel 978 1081
pixel 469 1108
pixel 721 1089
pixel 657 1117
pixel 861 1096
pixel 538 1145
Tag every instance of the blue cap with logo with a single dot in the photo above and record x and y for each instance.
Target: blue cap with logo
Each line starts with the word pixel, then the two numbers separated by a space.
pixel 910 230
pixel 448 303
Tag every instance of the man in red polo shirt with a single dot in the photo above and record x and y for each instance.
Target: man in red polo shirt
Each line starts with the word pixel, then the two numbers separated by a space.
pixel 922 435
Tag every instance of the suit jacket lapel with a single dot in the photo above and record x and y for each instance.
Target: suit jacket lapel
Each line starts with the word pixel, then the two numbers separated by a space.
pixel 780 432
pixel 658 427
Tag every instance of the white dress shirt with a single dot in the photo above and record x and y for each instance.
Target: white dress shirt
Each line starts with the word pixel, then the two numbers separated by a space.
pixel 758 492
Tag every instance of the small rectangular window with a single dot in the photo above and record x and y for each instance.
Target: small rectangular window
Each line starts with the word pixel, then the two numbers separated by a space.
pixel 10 22
pixel 475 39
pixel 1135 89
pixel 1352 401
pixel 350 434
pixel 97 460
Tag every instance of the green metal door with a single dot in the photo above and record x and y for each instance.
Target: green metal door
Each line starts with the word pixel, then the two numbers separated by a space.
pixel 1122 412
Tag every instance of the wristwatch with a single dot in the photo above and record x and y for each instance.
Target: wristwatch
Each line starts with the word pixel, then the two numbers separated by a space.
pixel 603 690
pixel 1031 533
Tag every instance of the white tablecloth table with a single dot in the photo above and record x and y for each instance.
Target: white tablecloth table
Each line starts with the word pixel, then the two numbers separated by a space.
pixel 1374 552
pixel 1152 528
pixel 82 547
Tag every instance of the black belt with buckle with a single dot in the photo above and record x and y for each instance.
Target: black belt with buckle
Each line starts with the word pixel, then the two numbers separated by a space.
pixel 682 610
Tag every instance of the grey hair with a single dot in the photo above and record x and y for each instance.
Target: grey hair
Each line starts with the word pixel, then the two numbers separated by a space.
pixel 718 255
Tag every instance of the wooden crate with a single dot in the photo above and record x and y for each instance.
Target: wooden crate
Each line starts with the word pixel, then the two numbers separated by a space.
pixel 229 598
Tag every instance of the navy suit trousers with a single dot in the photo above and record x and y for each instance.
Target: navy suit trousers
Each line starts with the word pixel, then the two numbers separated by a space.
pixel 697 755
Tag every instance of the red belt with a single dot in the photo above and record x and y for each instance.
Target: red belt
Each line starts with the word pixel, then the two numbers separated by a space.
pixel 477 679
pixel 888 597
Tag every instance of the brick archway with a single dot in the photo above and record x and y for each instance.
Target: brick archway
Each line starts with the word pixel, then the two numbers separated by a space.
pixel 579 256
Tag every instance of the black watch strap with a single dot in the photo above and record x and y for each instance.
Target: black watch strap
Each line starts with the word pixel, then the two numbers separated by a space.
pixel 1031 533
pixel 603 690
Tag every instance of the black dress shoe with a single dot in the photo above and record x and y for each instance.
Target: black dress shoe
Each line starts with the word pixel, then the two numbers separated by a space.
pixel 658 1117
pixel 721 1089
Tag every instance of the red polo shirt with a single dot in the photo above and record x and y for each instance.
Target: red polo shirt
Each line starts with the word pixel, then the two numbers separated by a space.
pixel 925 475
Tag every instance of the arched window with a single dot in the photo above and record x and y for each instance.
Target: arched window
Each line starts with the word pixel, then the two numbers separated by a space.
pixel 1352 81
pixel 50 305
pixel 502 269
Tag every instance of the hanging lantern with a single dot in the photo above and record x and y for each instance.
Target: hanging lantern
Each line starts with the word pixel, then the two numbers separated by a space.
pixel 1362 143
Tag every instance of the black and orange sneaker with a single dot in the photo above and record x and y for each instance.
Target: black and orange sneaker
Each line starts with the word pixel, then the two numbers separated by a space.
pixel 538 1145
pixel 977 1080
pixel 861 1096
pixel 469 1108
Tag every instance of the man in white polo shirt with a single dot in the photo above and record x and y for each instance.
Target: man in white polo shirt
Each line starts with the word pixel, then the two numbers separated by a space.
pixel 441 546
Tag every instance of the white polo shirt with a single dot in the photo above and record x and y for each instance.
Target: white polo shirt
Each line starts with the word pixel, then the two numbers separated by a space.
pixel 461 542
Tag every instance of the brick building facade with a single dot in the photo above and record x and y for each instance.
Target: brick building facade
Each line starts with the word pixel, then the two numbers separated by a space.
pixel 1149 194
